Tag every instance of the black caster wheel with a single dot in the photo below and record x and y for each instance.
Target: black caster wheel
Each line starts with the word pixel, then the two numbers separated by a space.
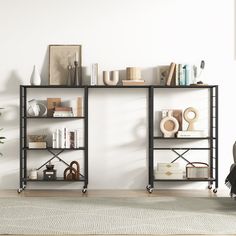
pixel 84 190
pixel 148 187
pixel 150 190
pixel 19 190
pixel 24 187
pixel 209 187
pixel 215 190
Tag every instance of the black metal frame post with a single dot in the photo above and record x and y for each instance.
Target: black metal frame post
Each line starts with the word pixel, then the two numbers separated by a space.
pixel 150 140
pixel 211 137
pixel 86 90
pixel 25 138
pixel 21 137
pixel 216 138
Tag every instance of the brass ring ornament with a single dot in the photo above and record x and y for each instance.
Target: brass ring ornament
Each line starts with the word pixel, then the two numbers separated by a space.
pixel 169 125
pixel 190 120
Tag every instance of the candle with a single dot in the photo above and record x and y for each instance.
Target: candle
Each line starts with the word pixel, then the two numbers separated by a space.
pixel 76 56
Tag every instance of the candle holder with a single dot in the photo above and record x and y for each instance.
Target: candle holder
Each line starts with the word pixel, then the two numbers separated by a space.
pixel 74 74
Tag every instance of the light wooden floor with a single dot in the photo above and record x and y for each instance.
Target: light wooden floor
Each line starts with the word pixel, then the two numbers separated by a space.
pixel 115 193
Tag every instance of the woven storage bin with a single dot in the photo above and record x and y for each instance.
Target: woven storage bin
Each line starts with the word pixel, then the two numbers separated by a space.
pixel 197 170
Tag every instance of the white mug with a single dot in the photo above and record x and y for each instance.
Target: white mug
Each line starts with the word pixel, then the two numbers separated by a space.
pixel 33 174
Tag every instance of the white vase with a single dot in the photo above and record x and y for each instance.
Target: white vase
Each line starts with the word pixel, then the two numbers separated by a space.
pixel 111 81
pixel 35 78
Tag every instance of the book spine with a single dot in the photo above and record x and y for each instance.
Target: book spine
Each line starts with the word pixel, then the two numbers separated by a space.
pixel 67 137
pixel 62 138
pixel 177 75
pixel 187 74
pixel 57 138
pixel 170 74
pixel 54 140
pixel 94 74
pixel 72 139
pixel 181 75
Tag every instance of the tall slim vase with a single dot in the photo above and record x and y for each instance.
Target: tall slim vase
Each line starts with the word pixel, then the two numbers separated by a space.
pixel 35 78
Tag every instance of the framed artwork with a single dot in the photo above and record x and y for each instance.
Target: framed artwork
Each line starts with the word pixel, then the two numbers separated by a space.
pixel 61 57
pixel 51 104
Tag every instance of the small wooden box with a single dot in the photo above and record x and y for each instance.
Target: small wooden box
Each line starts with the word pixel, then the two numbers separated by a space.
pixel 168 174
pixel 49 175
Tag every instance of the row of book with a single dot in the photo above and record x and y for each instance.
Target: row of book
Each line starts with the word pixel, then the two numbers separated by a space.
pixel 65 138
pixel 181 74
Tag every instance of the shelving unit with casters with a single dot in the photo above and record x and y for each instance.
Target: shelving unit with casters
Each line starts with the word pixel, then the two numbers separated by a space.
pixel 54 151
pixel 212 140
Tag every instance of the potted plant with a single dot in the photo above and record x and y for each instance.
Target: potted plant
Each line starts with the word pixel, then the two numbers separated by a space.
pixel 1 137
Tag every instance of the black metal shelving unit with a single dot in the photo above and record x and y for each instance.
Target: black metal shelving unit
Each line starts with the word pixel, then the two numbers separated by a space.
pixel 212 139
pixel 54 151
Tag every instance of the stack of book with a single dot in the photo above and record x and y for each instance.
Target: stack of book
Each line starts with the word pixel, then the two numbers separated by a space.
pixel 64 138
pixel 63 112
pixel 191 134
pixel 133 82
pixel 38 144
pixel 180 75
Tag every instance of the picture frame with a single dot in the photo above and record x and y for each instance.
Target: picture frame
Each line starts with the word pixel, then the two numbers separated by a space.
pixel 60 58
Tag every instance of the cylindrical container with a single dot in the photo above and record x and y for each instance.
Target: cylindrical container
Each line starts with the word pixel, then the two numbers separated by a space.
pixel 33 174
pixel 133 73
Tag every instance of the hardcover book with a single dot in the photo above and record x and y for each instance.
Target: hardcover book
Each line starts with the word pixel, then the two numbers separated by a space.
pixel 170 73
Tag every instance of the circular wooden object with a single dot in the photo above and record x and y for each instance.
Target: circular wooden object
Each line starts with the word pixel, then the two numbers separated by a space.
pixel 169 126
pixel 191 121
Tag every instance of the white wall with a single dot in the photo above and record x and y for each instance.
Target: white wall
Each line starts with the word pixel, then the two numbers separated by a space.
pixel 116 34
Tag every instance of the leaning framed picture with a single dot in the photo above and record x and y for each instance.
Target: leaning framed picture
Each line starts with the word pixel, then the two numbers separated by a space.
pixel 62 57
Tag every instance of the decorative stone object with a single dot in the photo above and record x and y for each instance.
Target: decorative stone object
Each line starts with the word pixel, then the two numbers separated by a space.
pixel 191 120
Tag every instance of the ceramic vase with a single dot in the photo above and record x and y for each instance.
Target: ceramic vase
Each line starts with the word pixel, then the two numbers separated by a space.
pixel 110 81
pixel 35 78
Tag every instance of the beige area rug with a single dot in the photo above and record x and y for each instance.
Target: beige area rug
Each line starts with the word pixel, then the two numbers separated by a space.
pixel 142 215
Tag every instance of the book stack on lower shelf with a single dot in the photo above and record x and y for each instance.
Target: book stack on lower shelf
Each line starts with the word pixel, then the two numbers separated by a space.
pixel 64 138
pixel 37 141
